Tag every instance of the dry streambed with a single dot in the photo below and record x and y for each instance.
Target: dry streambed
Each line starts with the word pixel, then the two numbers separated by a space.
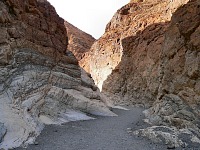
pixel 104 133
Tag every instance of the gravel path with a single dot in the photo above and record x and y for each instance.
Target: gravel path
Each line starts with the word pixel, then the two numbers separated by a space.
pixel 104 133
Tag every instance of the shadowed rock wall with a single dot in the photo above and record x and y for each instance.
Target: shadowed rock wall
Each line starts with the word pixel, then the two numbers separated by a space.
pixel 125 61
pixel 149 55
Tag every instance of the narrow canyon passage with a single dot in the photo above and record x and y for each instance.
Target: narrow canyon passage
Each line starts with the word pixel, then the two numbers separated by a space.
pixel 51 72
pixel 104 133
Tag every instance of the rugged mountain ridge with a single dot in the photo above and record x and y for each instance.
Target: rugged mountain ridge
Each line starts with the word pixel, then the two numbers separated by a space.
pixel 40 80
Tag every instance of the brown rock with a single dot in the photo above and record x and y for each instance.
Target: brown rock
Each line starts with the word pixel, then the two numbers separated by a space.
pixel 125 60
pixel 149 56
pixel 178 99
pixel 40 80
pixel 79 41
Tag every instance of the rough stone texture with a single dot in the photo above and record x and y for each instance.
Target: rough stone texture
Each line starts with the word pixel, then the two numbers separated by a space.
pixel 178 100
pixel 177 104
pixel 79 41
pixel 2 131
pixel 40 81
pixel 173 113
pixel 125 60
pixel 172 137
pixel 149 56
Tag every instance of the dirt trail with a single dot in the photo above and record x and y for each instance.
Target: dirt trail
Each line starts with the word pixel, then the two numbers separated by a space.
pixel 104 133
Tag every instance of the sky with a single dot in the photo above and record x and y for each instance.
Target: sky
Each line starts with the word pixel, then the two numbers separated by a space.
pixel 90 16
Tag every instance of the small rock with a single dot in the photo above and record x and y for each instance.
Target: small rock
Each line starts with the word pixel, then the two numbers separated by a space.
pixel 170 147
pixel 129 130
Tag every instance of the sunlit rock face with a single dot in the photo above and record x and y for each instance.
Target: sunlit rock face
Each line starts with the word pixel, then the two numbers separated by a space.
pixel 40 80
pixel 125 61
pixel 179 96
pixel 79 41
pixel 178 100
pixel 150 55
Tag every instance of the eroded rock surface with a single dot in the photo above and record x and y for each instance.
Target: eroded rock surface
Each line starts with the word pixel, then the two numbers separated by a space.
pixel 149 55
pixel 178 99
pixel 79 41
pixel 125 60
pixel 172 137
pixel 2 131
pixel 40 80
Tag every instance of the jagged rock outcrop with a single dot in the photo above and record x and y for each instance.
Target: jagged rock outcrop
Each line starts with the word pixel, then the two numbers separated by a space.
pixel 125 61
pixel 178 99
pixel 79 41
pixel 150 55
pixel 40 80
pixel 171 136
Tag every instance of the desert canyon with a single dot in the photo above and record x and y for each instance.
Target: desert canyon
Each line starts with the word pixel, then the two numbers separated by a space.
pixel 52 73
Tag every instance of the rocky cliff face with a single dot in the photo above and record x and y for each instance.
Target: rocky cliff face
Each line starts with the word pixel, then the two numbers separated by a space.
pixel 40 80
pixel 149 55
pixel 178 99
pixel 125 60
pixel 180 60
pixel 146 56
pixel 79 41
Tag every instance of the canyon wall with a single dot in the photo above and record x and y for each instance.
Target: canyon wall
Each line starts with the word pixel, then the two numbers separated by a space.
pixel 40 80
pixel 150 55
pixel 178 98
pixel 125 61
pixel 79 42
pixel 176 112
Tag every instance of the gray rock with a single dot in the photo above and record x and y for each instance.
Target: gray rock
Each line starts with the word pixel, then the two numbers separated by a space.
pixel 2 131
pixel 170 136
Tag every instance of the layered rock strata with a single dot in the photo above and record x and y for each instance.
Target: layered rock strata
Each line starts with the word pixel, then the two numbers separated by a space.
pixel 40 80
pixel 79 41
